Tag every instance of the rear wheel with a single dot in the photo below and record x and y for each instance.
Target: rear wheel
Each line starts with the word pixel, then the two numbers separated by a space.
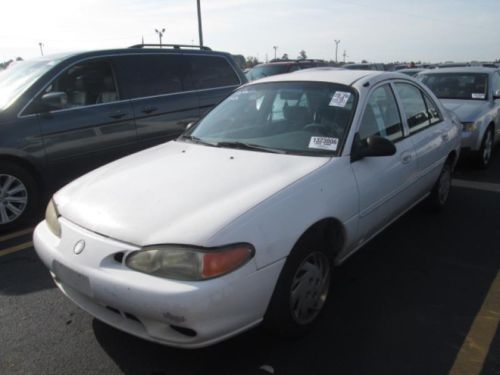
pixel 18 195
pixel 441 190
pixel 486 150
pixel 301 291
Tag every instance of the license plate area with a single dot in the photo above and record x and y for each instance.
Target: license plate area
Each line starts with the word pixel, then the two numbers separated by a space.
pixel 73 279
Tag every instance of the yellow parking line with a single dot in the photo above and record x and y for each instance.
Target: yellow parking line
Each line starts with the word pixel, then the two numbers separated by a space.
pixel 472 354
pixel 15 234
pixel 13 249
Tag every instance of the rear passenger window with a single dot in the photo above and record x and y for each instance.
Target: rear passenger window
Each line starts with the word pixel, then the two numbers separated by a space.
pixel 381 116
pixel 432 111
pixel 414 105
pixel 150 75
pixel 212 71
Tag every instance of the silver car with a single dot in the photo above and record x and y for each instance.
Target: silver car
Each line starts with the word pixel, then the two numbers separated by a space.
pixel 473 93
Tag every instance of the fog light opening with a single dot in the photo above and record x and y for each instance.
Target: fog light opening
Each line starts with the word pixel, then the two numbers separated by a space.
pixel 184 331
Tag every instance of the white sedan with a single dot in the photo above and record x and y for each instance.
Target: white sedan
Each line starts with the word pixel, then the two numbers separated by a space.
pixel 241 219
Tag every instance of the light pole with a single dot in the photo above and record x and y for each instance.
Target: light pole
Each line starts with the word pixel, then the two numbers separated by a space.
pixel 200 31
pixel 41 47
pixel 160 34
pixel 345 55
pixel 337 41
pixel 275 49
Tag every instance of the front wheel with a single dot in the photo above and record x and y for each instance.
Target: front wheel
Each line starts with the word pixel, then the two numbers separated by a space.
pixel 18 195
pixel 301 291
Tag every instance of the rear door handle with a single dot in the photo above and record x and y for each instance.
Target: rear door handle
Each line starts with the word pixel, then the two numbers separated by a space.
pixel 406 157
pixel 149 109
pixel 118 114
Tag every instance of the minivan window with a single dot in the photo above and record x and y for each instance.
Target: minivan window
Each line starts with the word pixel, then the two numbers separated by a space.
pixel 20 76
pixel 142 76
pixel 212 71
pixel 86 83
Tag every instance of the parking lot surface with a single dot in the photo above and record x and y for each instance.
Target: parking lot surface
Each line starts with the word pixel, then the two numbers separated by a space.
pixel 421 298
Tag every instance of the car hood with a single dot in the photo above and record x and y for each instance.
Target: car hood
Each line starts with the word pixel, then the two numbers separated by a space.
pixel 177 192
pixel 466 110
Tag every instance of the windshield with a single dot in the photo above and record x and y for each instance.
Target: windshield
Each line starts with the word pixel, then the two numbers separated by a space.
pixel 266 70
pixel 457 85
pixel 304 118
pixel 18 77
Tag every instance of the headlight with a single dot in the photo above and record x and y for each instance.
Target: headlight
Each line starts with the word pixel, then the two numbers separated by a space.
pixel 469 126
pixel 189 263
pixel 52 218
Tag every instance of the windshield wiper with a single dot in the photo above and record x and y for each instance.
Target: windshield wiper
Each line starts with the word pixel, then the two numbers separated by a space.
pixel 249 146
pixel 195 139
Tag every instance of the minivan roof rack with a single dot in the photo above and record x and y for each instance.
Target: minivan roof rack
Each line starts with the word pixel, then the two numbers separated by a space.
pixel 174 46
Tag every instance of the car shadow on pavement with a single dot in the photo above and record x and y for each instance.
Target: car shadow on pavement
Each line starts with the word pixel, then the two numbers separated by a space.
pixel 23 272
pixel 402 305
pixel 468 170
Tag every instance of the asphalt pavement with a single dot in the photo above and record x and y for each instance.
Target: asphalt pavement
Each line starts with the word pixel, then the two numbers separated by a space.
pixel 408 302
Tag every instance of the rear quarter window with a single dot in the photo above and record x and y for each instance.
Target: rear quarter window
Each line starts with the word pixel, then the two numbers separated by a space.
pixel 211 72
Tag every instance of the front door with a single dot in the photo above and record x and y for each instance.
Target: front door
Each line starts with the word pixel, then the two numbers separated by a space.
pixel 385 183
pixel 93 128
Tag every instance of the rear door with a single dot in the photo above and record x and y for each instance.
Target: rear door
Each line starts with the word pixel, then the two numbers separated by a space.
pixel 214 78
pixel 161 93
pixel 386 184
pixel 94 127
pixel 428 132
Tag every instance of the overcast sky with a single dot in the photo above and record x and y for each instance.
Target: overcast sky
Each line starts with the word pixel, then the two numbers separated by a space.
pixel 381 31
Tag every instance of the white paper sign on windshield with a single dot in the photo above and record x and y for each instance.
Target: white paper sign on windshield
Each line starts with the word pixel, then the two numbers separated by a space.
pixel 478 96
pixel 324 143
pixel 339 99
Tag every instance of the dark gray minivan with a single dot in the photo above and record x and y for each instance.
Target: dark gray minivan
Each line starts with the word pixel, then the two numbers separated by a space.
pixel 64 115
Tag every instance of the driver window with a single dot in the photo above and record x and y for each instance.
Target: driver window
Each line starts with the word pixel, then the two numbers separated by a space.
pixel 86 84
pixel 381 116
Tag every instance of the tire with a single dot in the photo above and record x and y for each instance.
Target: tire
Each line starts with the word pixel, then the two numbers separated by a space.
pixel 19 196
pixel 441 189
pixel 301 291
pixel 486 150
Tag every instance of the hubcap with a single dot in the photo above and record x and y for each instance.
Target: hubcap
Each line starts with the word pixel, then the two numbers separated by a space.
pixel 487 148
pixel 13 198
pixel 444 185
pixel 310 287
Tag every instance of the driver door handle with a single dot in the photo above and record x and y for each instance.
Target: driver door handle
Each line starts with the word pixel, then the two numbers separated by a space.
pixel 406 157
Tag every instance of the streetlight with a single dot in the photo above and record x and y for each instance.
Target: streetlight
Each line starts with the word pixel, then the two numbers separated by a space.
pixel 337 41
pixel 275 49
pixel 160 34
pixel 200 32
pixel 41 47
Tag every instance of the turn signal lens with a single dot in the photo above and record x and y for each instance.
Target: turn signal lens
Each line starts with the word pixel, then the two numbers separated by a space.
pixel 52 218
pixel 189 263
pixel 469 126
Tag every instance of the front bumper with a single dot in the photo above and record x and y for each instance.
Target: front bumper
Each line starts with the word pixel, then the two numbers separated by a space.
pixel 470 140
pixel 174 313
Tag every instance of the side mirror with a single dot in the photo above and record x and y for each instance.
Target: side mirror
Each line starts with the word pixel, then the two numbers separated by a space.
pixel 496 94
pixel 372 146
pixel 55 100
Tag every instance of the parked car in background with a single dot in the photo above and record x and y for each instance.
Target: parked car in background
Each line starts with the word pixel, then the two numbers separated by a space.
pixel 281 67
pixel 412 72
pixel 63 115
pixel 473 93
pixel 240 220
pixel 364 66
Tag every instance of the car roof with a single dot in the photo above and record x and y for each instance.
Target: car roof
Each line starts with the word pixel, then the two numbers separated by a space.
pixel 342 76
pixel 463 69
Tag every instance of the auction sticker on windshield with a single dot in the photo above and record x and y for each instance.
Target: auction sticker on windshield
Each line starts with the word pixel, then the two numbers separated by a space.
pixel 339 99
pixel 478 96
pixel 324 143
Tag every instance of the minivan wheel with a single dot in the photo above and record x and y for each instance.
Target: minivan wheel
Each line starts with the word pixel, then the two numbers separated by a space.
pixel 441 189
pixel 18 195
pixel 301 291
pixel 486 150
